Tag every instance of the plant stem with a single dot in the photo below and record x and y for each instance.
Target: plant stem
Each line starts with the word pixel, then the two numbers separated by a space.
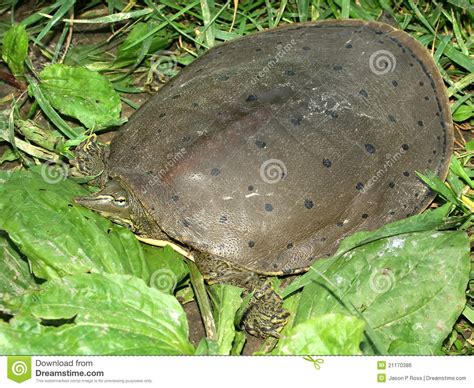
pixel 202 300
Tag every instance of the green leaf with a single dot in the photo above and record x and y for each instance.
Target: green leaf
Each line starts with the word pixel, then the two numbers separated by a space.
pixel 81 93
pixel 15 276
pixel 97 314
pixel 329 334
pixel 58 237
pixel 429 220
pixel 379 280
pixel 167 267
pixel 226 300
pixel 463 113
pixel 15 49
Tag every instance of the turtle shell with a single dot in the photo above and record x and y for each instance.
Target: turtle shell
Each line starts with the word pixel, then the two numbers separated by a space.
pixel 269 149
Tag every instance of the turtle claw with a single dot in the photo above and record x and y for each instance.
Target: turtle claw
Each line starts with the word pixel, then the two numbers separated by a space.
pixel 265 317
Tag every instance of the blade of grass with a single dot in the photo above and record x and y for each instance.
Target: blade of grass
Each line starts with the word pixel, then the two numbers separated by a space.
pixel 202 300
pixel 65 7
pixel 208 10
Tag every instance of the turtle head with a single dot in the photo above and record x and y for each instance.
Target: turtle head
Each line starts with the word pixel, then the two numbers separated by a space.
pixel 113 201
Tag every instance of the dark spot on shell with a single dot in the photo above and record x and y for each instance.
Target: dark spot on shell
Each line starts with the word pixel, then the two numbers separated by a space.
pixel 268 207
pixel 223 219
pixel 251 97
pixel 162 114
pixel 416 195
pixel 406 173
pixel 348 45
pixel 337 67
pixel 310 259
pixel 323 239
pixel 327 163
pixel 391 185
pixel 290 72
pixel 186 138
pixel 296 120
pixel 405 147
pixel 223 77
pixel 215 171
pixel 195 104
pixel 260 144
pixel 340 224
pixel 186 223
pixel 251 244
pixel 394 83
pixel 150 172
pixel 289 246
pixel 434 152
pixel 359 186
pixel 306 48
pixel 420 123
pixel 364 93
pixel 331 113
pixel 427 98
pixel 421 83
pixel 250 188
pixel 176 96
pixel 308 203
pixel 392 118
pixel 391 212
pixel 275 266
pixel 258 49
pixel 438 137
pixel 429 160
pixel 365 215
pixel 370 148
pixel 175 198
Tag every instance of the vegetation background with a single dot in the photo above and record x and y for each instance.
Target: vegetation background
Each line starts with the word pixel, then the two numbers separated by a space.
pixel 76 69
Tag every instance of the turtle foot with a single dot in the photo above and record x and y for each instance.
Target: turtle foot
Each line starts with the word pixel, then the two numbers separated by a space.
pixel 265 316
pixel 90 159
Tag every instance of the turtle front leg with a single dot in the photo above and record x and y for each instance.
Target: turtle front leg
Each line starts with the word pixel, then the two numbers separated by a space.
pixel 265 315
pixel 91 159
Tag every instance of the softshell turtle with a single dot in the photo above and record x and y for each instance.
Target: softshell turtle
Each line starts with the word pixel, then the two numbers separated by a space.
pixel 268 150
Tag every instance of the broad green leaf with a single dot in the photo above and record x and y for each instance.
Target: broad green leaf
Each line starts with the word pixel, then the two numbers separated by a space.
pixel 207 347
pixel 81 93
pixel 463 113
pixel 329 334
pixel 409 288
pixel 429 220
pixel 105 314
pixel 226 300
pixel 15 276
pixel 15 49
pixel 61 238
pixel 166 267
